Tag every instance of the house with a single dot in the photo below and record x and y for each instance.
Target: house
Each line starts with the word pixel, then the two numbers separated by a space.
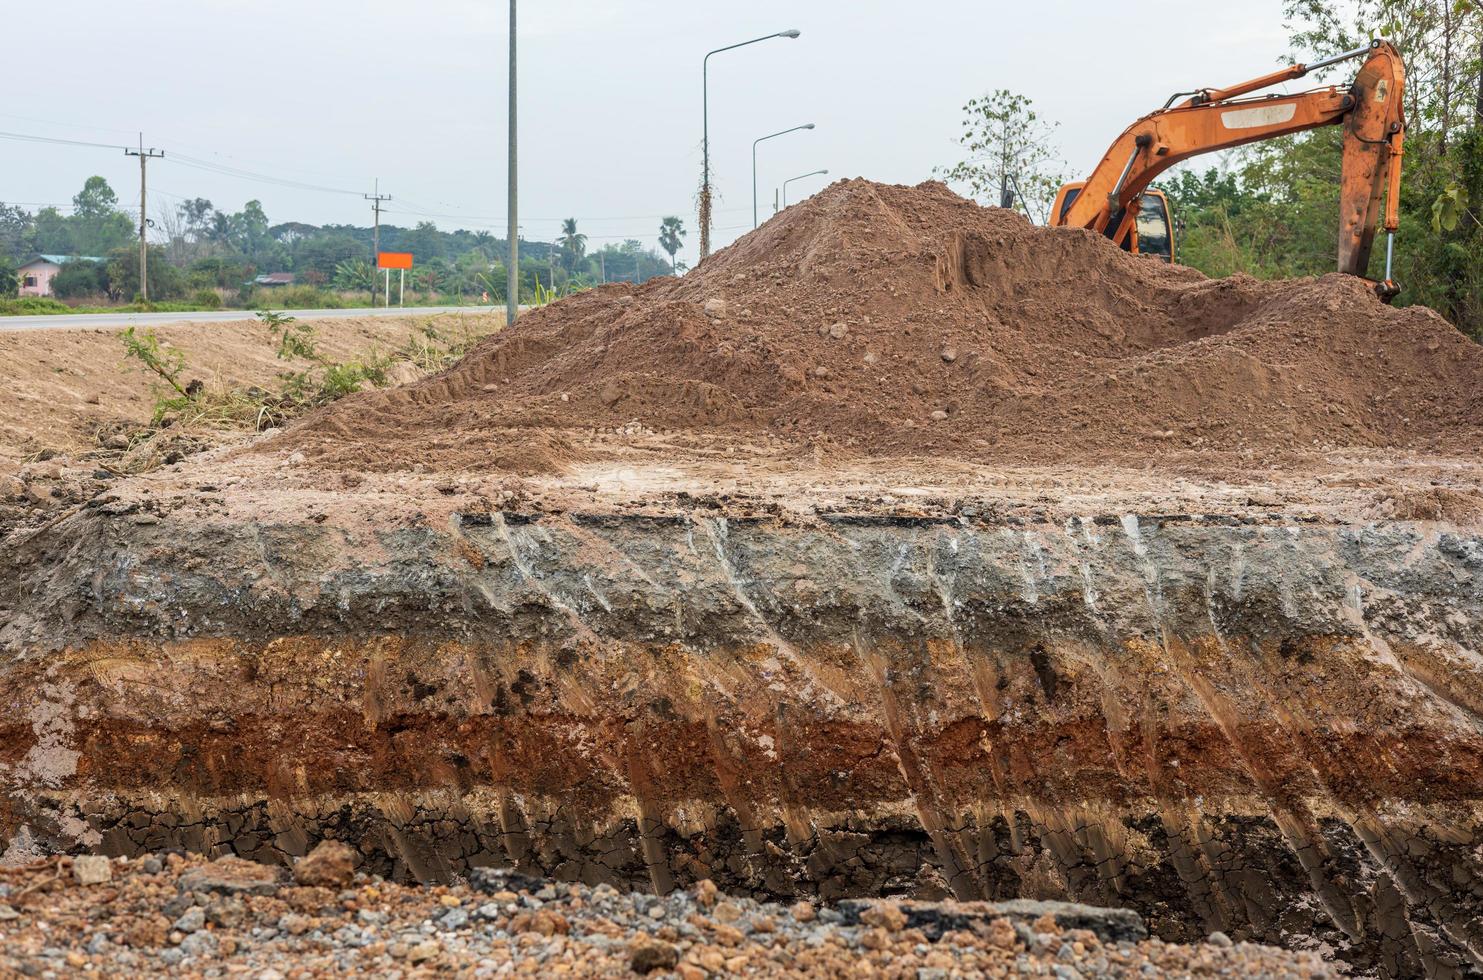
pixel 275 279
pixel 36 273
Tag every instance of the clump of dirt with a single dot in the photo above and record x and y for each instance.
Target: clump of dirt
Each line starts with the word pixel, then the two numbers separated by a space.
pixel 888 320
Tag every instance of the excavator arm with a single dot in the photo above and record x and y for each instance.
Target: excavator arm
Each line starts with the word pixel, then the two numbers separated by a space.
pixel 1370 111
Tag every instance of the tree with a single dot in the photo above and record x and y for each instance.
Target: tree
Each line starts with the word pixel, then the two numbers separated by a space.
pixel 671 237
pixel 1010 152
pixel 96 200
pixel 573 244
pixel 17 232
pixel 9 281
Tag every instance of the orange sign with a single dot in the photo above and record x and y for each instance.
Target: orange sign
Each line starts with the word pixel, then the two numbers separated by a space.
pixel 393 260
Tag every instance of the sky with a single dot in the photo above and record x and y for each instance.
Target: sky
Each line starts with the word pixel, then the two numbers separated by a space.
pixel 336 95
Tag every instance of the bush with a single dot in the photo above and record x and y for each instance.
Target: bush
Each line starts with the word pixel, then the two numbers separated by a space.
pixel 299 297
pixel 207 299
pixel 78 279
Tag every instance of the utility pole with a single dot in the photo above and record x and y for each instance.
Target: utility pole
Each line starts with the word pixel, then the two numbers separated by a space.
pixel 143 156
pixel 376 197
pixel 512 267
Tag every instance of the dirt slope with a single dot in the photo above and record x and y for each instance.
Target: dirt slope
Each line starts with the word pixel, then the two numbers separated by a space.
pixel 888 320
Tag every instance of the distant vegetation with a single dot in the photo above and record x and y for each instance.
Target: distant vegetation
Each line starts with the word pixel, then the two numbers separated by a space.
pixel 210 257
pixel 1271 209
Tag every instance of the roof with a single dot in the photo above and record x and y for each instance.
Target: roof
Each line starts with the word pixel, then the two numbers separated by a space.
pixel 60 259
pixel 275 279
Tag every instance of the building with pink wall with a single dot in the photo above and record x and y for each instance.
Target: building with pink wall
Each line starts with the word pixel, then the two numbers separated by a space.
pixel 36 274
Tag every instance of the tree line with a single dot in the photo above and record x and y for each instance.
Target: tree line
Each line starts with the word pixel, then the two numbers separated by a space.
pixel 202 253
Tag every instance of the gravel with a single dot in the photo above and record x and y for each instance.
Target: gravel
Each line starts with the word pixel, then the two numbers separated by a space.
pixel 231 922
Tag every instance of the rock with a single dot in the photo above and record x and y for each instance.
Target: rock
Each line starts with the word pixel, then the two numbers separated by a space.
pixel 870 357
pixel 715 307
pixel 7 913
pixel 803 912
pixel 1220 939
pixel 939 416
pixel 839 331
pixel 295 924
pixel 230 876
pixel 949 355
pixel 116 441
pixel 424 950
pixel 330 865
pixel 194 918
pixel 1109 925
pixel 705 893
pixel 403 373
pixel 454 919
pixel 821 372
pixel 884 915
pixel 727 912
pixel 12 488
pixel 94 398
pixel 92 869
pixel 647 956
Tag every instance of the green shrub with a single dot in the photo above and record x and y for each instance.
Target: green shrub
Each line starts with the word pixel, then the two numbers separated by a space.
pixel 206 299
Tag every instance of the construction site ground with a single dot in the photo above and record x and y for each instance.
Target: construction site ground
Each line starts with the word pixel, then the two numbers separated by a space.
pixel 900 551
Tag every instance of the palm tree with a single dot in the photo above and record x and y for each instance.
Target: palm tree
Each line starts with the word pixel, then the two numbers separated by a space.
pixel 573 244
pixel 671 236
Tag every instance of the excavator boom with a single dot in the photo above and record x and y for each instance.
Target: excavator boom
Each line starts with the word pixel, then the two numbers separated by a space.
pixel 1370 110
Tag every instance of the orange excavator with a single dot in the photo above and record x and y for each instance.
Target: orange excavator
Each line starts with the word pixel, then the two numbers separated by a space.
pixel 1117 201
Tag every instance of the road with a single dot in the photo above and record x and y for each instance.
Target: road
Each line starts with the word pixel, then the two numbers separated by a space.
pixel 111 321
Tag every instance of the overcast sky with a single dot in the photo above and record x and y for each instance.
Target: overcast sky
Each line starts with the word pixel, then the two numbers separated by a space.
pixel 336 93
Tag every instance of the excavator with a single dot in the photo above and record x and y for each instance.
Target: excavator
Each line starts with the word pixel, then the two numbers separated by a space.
pixel 1117 201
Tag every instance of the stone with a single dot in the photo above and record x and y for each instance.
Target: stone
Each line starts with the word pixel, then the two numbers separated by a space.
pixel 884 915
pixel 192 919
pixel 330 865
pixel 803 912
pixel 230 875
pixel 727 912
pixel 116 441
pixel 715 307
pixel 1220 939
pixel 949 355
pixel 92 869
pixel 454 919
pixel 423 951
pixel 402 373
pixel 705 893
pixel 646 956
pixel 939 416
pixel 839 331
pixel 821 372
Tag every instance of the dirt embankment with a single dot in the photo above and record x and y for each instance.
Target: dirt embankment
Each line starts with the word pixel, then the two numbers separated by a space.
pixel 62 385
pixel 881 320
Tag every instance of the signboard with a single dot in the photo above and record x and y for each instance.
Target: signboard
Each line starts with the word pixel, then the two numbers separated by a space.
pixel 393 260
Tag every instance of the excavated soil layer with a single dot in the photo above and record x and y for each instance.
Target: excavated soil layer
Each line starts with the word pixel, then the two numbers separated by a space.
pixel 620 599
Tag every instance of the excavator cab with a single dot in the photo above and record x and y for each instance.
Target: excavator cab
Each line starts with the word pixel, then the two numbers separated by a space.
pixel 1151 234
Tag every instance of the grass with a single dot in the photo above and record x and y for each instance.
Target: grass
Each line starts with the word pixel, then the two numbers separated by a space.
pixel 184 410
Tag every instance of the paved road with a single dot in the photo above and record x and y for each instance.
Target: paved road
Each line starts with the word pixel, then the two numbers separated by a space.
pixel 109 321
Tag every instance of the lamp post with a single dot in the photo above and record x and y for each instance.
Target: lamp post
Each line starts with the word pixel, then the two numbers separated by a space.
pixel 754 162
pixel 705 137
pixel 811 173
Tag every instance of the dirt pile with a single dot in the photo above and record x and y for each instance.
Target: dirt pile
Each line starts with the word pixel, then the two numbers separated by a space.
pixel 890 320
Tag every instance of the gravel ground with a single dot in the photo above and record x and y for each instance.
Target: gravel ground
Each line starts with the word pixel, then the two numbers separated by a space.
pixel 90 916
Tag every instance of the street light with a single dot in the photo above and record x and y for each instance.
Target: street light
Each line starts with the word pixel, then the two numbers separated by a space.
pixel 705 137
pixel 811 173
pixel 754 163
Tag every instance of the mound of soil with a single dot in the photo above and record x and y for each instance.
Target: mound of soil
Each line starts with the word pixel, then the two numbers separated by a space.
pixel 890 320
